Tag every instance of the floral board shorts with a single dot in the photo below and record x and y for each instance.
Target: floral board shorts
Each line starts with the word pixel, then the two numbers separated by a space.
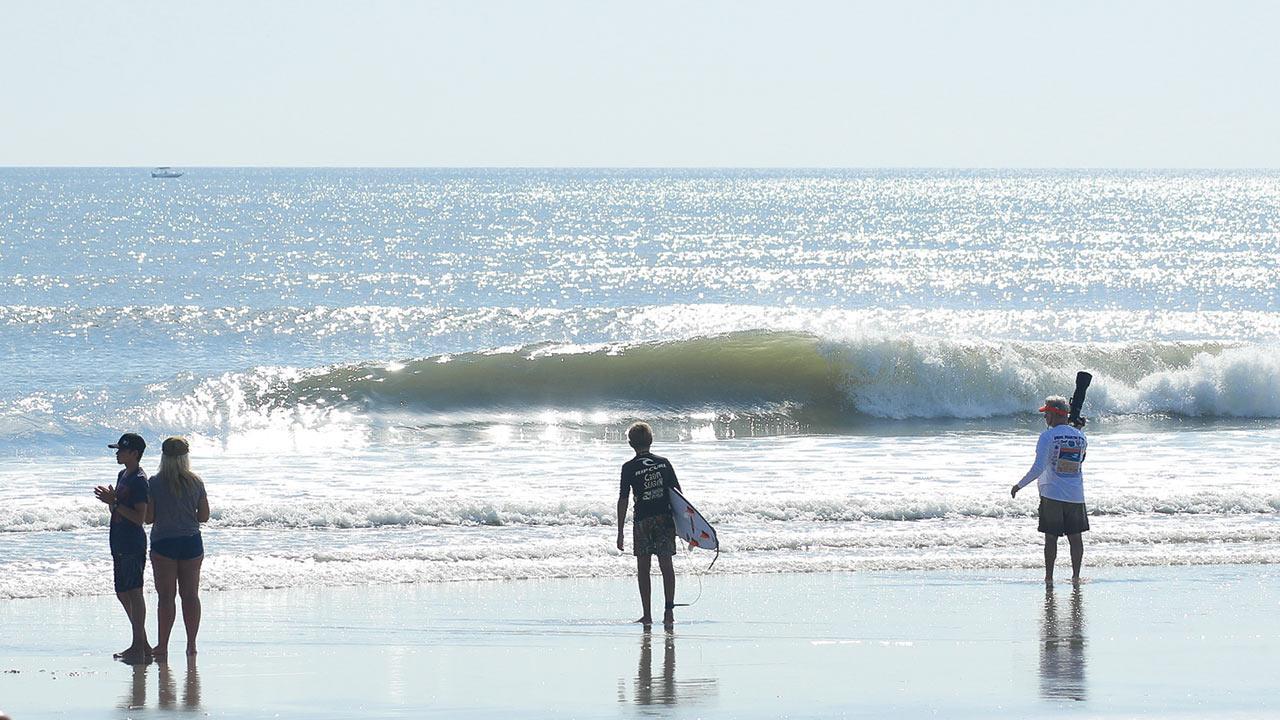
pixel 654 536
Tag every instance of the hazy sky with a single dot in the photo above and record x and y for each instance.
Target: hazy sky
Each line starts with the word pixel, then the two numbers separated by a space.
pixel 894 83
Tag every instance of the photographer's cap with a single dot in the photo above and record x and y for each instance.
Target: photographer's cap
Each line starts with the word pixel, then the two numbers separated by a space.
pixel 1056 405
pixel 129 441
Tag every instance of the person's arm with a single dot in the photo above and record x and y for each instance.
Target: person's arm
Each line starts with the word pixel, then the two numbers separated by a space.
pixel 106 494
pixel 1042 459
pixel 136 514
pixel 624 492
pixel 202 512
pixel 140 494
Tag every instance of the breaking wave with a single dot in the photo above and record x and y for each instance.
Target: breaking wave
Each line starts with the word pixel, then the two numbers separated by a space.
pixel 813 379
pixel 758 379
pixel 67 515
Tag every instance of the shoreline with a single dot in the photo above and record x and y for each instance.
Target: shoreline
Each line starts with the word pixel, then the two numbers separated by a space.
pixel 1163 641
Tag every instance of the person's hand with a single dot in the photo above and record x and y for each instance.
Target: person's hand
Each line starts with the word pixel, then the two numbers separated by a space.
pixel 619 542
pixel 105 493
pixel 1014 492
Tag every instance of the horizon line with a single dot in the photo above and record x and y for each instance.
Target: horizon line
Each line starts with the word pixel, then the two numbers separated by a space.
pixel 1237 168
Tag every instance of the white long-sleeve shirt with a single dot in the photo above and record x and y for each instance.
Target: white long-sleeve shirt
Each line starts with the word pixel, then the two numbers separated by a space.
pixel 1059 466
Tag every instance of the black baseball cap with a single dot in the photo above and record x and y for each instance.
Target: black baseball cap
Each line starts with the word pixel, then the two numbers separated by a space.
pixel 129 441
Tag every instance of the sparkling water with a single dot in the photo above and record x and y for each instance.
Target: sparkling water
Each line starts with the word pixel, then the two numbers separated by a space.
pixel 425 375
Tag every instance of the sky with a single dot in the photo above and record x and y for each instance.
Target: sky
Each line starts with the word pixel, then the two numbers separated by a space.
pixel 645 83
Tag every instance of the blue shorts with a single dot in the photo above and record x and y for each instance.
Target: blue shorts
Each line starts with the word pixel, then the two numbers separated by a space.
pixel 127 569
pixel 179 548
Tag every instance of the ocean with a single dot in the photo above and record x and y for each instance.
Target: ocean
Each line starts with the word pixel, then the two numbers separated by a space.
pixel 395 376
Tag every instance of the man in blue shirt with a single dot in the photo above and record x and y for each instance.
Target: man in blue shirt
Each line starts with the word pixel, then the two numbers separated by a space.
pixel 128 500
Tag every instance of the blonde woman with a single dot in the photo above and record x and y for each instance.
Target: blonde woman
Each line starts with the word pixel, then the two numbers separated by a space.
pixel 178 506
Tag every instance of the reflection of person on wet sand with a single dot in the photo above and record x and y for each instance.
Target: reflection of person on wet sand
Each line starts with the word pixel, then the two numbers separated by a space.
pixel 136 696
pixel 190 691
pixel 1062 659
pixel 660 687
pixel 665 691
pixel 168 692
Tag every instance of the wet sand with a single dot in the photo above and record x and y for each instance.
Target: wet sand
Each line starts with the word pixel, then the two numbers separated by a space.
pixel 1144 641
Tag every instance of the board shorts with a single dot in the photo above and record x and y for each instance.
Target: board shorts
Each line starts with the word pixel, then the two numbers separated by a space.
pixel 179 548
pixel 654 536
pixel 127 570
pixel 1062 518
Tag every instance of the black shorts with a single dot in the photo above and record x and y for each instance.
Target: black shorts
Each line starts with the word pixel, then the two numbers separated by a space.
pixel 1062 518
pixel 654 536
pixel 179 548
pixel 127 569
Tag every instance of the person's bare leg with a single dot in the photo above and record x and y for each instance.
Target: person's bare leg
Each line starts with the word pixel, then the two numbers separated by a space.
pixel 668 588
pixel 165 573
pixel 189 588
pixel 1050 555
pixel 642 578
pixel 127 603
pixel 1077 555
pixel 136 609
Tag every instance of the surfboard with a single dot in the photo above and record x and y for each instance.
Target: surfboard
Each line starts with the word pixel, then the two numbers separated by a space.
pixel 690 525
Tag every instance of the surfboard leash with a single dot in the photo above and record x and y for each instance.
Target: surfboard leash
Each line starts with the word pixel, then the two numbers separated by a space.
pixel 689 551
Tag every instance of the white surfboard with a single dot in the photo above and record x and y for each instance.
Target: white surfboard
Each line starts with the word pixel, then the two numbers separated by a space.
pixel 690 525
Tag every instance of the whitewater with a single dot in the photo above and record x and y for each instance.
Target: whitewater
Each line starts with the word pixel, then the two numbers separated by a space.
pixel 425 375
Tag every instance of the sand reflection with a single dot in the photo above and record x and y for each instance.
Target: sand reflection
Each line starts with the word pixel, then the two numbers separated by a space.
pixel 136 695
pixel 168 696
pixel 1062 649
pixel 658 686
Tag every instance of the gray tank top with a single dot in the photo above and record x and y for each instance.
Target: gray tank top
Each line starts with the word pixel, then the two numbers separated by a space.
pixel 175 514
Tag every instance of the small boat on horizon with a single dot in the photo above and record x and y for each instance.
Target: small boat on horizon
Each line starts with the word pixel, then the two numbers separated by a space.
pixel 166 172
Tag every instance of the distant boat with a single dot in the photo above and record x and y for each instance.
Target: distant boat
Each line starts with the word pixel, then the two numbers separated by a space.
pixel 166 172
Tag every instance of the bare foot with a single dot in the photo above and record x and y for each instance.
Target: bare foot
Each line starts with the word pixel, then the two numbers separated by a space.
pixel 191 650
pixel 145 651
pixel 160 653
pixel 646 620
pixel 134 657
pixel 668 619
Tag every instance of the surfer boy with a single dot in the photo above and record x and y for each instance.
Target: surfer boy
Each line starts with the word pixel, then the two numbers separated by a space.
pixel 1059 473
pixel 128 500
pixel 648 477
